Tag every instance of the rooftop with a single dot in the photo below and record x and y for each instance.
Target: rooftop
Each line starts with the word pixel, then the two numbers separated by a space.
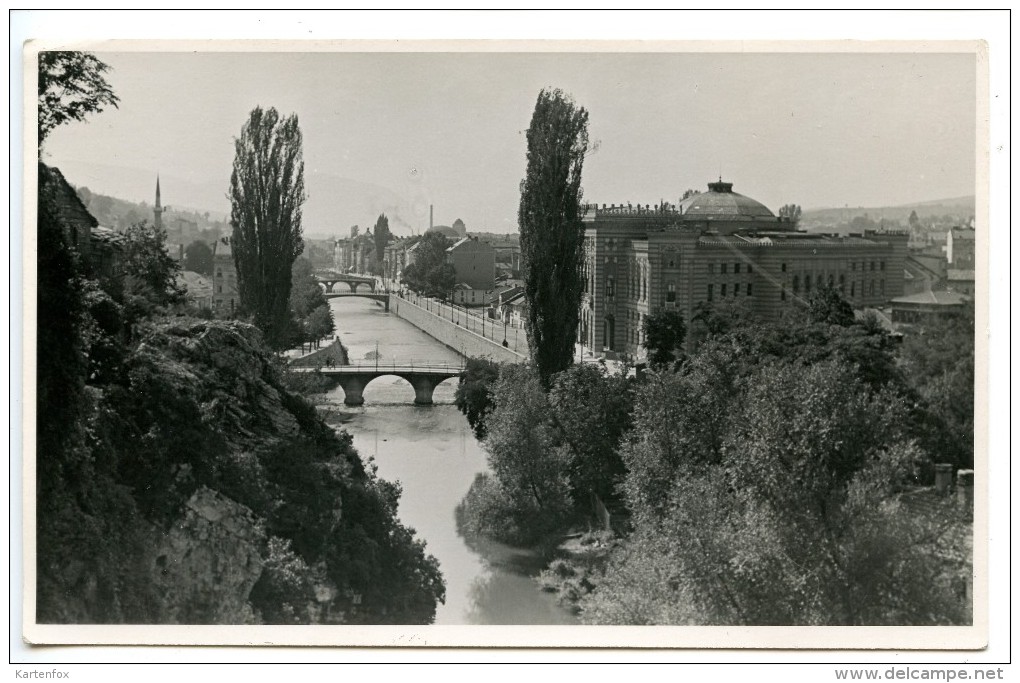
pixel 934 298
pixel 722 203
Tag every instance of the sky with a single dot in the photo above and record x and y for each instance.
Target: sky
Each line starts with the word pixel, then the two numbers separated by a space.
pixel 396 132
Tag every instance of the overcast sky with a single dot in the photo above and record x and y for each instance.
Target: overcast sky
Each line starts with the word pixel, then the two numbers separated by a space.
pixel 449 129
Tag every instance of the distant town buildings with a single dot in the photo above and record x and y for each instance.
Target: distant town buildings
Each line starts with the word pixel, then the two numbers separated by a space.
pixel 715 246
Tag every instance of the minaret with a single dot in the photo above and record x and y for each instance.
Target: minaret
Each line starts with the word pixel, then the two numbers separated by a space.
pixel 158 209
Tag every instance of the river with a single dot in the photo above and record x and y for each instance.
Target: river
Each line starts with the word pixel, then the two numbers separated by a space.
pixel 433 454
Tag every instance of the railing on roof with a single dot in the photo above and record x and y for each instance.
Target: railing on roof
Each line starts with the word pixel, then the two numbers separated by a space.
pixel 648 210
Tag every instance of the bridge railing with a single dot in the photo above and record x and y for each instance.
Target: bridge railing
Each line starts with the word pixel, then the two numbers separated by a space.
pixel 405 365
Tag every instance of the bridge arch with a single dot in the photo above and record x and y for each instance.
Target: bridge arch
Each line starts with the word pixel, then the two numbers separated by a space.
pixel 424 385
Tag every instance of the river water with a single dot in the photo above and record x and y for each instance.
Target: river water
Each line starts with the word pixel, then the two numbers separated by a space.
pixel 432 453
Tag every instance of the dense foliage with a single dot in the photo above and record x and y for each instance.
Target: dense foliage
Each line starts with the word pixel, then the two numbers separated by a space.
pixel 150 273
pixel 474 392
pixel 549 217
pixel 130 428
pixel 72 85
pixel 267 189
pixel 430 274
pixel 780 509
pixel 664 333
pixel 761 481
pixel 551 463
pixel 312 319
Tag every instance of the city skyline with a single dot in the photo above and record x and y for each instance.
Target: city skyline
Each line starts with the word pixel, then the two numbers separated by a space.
pixel 396 132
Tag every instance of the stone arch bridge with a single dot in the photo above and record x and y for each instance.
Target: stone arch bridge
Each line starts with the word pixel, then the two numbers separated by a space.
pixel 353 282
pixel 424 377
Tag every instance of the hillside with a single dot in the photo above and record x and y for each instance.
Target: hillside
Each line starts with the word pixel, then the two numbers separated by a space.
pixel 939 213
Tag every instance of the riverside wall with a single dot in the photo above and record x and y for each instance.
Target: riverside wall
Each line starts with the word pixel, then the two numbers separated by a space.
pixel 317 359
pixel 461 340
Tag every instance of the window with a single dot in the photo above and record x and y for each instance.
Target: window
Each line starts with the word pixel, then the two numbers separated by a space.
pixel 831 282
pixel 722 268
pixel 783 267
pixel 842 283
pixel 736 269
pixel 881 286
pixel 818 280
pixel 796 284
pixel 670 293
pixel 723 290
pixel 711 269
pixel 873 266
pixel 872 288
pixel 782 293
pixel 853 287
pixel 710 287
pixel 749 269
pixel 853 266
pixel 881 265
pixel 748 289
pixel 736 288
pixel 609 286
pixel 807 284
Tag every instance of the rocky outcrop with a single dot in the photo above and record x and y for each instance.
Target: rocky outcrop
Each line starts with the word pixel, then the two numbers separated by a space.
pixel 208 562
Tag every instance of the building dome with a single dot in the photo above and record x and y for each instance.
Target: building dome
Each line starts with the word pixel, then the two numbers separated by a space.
pixel 721 203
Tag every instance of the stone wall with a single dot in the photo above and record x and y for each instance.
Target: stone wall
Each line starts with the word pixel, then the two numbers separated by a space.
pixel 456 337
pixel 317 358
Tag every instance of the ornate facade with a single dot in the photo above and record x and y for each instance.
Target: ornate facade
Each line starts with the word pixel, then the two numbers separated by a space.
pixel 715 246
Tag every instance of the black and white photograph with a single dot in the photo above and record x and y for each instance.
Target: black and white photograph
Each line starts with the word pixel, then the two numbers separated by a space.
pixel 558 336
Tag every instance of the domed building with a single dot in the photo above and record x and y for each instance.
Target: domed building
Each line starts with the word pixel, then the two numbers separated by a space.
pixel 713 246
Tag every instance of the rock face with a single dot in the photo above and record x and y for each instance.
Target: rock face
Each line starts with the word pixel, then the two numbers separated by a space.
pixel 208 562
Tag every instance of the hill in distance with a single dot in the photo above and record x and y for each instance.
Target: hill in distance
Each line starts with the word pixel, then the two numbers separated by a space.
pixel 932 213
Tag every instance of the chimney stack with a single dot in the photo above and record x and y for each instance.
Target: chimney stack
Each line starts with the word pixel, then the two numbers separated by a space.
pixel 430 216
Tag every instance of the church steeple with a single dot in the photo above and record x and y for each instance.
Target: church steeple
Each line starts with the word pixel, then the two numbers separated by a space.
pixel 157 210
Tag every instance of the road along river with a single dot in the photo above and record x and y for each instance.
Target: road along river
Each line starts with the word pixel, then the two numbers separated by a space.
pixel 432 453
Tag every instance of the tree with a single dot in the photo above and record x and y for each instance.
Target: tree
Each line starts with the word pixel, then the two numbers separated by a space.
pixel 791 211
pixel 266 192
pixel 382 237
pixel 430 274
pixel 198 257
pixel 312 316
pixel 664 333
pixel 150 273
pixel 519 442
pixel 794 520
pixel 551 232
pixel 71 86
pixel 828 306
pixel 913 220
pixel 474 392
pixel 591 410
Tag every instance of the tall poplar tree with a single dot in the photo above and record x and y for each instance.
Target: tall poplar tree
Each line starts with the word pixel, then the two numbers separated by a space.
pixel 381 235
pixel 267 189
pixel 551 232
